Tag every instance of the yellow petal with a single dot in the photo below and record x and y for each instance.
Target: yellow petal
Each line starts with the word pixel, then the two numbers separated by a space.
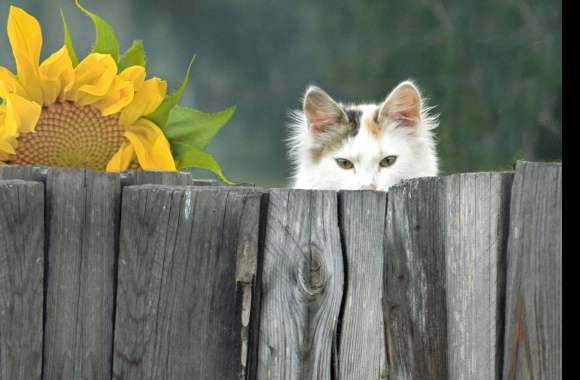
pixel 6 148
pixel 119 96
pixel 8 136
pixel 21 114
pixel 7 145
pixel 122 159
pixel 146 100
pixel 25 38
pixel 57 75
pixel 2 118
pixel 134 74
pixel 9 84
pixel 151 146
pixel 93 79
pixel 3 157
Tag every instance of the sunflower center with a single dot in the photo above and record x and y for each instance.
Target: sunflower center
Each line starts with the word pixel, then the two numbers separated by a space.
pixel 68 135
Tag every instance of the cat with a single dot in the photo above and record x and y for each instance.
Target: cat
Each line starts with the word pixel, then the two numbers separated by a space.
pixel 334 146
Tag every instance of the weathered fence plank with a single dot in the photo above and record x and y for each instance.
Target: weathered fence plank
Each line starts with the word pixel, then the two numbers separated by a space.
pixel 302 284
pixel 414 295
pixel 83 211
pixel 179 307
pixel 128 178
pixel 350 286
pixel 184 178
pixel 28 173
pixel 533 334
pixel 140 177
pixel 476 221
pixel 362 340
pixel 248 277
pixel 21 279
pixel 445 276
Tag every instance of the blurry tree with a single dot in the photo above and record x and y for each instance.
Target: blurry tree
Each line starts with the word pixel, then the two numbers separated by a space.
pixel 493 68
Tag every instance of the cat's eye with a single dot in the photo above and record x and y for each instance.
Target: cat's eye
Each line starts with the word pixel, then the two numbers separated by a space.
pixel 343 163
pixel 388 161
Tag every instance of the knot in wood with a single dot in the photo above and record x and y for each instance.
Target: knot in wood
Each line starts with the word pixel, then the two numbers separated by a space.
pixel 313 274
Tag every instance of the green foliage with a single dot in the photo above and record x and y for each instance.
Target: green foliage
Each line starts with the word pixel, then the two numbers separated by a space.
pixel 106 42
pixel 68 41
pixel 189 131
pixel 492 68
pixel 161 114
pixel 196 128
pixel 187 156
pixel 134 56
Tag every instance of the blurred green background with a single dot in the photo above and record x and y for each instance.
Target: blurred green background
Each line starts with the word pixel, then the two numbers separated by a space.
pixel 493 68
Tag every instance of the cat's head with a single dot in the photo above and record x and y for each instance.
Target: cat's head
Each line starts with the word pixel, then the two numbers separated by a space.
pixel 367 146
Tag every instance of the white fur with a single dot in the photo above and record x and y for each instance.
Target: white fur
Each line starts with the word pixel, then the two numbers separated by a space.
pixel 413 146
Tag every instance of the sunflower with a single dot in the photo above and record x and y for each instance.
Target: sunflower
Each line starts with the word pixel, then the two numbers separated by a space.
pixel 101 113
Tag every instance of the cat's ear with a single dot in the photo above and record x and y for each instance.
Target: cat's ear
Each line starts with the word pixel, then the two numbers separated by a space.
pixel 322 112
pixel 403 105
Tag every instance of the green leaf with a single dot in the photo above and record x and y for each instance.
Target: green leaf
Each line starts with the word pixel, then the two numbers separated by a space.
pixel 106 41
pixel 195 128
pixel 134 56
pixel 161 114
pixel 191 157
pixel 68 41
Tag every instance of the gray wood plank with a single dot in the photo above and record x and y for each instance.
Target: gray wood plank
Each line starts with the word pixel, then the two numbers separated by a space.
pixel 445 276
pixel 83 211
pixel 140 177
pixel 248 276
pixel 128 178
pixel 181 305
pixel 302 284
pixel 415 300
pixel 21 279
pixel 362 340
pixel 185 178
pixel 476 223
pixel 28 173
pixel 533 334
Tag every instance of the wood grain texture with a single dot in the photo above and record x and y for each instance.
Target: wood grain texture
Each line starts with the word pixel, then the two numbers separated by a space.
pixel 128 178
pixel 180 308
pixel 302 284
pixel 362 341
pixel 445 276
pixel 140 177
pixel 82 218
pixel 415 299
pixel 27 173
pixel 476 218
pixel 185 178
pixel 21 279
pixel 459 279
pixel 248 275
pixel 533 334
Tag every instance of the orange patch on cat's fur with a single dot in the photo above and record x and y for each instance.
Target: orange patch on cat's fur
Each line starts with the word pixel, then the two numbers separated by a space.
pixel 372 127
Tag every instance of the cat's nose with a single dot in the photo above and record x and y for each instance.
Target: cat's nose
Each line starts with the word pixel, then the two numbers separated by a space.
pixel 372 186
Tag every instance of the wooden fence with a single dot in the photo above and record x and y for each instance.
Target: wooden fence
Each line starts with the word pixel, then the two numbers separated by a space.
pixel 149 275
